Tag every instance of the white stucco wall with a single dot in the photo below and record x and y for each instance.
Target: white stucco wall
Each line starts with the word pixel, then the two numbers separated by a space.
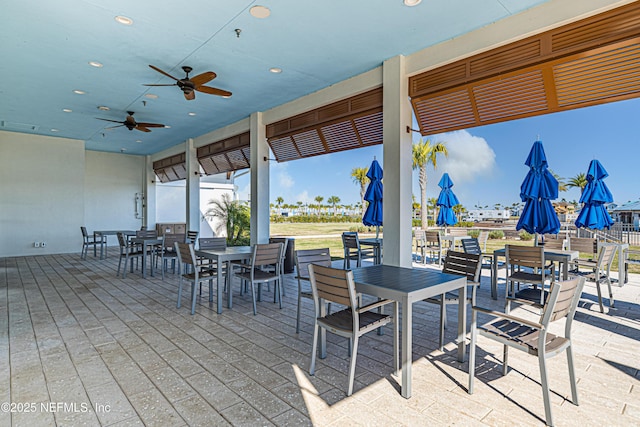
pixel 49 187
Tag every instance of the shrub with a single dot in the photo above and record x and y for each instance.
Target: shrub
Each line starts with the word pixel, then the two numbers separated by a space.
pixel 467 224
pixel 496 234
pixel 525 235
pixel 473 233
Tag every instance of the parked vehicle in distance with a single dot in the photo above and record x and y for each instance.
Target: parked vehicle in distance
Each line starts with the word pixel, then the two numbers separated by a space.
pixel 488 215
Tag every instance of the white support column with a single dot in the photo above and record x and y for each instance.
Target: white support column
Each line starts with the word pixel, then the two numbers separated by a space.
pixel 149 201
pixel 397 163
pixel 259 180
pixel 193 187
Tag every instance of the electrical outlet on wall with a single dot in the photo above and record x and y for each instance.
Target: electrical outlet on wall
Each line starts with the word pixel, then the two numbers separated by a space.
pixel 36 244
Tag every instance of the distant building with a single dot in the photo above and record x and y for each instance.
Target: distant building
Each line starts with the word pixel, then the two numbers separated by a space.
pixel 627 213
pixel 488 215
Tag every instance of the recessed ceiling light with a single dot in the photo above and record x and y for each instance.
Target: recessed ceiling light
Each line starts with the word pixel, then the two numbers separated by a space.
pixel 103 108
pixel 55 130
pixel 79 92
pixel 260 12
pixel 275 70
pixel 138 140
pixel 167 126
pixel 123 20
pixel 95 64
pixel 192 114
pixel 411 3
pixel 226 96
pixel 151 96
pixel 67 110
pixel 122 150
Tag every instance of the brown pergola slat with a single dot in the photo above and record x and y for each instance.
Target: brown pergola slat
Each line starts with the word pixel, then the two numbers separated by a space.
pixel 589 62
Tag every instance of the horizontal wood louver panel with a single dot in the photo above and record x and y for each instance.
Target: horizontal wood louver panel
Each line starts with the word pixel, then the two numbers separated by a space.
pixel 608 74
pixel 342 125
pixel 443 112
pixel 229 154
pixel 284 149
pixel 369 128
pixel 513 96
pixel 309 143
pixel 589 62
pixel 171 168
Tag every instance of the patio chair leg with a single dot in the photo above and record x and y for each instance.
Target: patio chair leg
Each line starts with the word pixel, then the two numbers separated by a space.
pixel 505 360
pixel 572 377
pixel 179 293
pixel 610 293
pixel 545 390
pixel 352 365
pixel 599 296
pixel 314 349
pixel 443 319
pixel 472 351
pixel 193 298
pixel 253 298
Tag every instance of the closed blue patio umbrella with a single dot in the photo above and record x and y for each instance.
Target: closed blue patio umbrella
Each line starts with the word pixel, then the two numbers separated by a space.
pixel 537 190
pixel 593 214
pixel 373 195
pixel 446 200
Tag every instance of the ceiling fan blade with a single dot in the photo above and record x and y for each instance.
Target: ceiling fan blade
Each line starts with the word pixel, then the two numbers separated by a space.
pixel 151 125
pixel 170 84
pixel 213 91
pixel 142 128
pixel 162 72
pixel 112 121
pixel 190 96
pixel 203 78
pixel 113 127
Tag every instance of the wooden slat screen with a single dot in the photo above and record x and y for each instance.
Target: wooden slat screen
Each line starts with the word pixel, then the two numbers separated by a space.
pixel 589 62
pixel 171 168
pixel 350 123
pixel 226 155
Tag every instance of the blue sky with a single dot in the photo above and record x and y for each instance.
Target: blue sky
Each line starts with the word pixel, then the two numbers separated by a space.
pixel 486 163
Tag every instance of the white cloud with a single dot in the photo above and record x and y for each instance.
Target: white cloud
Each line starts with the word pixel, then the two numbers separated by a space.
pixel 282 177
pixel 469 157
pixel 304 197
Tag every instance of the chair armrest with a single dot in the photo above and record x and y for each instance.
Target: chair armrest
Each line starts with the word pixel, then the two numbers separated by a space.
pixel 374 305
pixel 510 317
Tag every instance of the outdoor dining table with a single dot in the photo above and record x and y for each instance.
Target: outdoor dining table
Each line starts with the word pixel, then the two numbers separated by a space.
pixel 148 242
pixel 105 233
pixel 376 244
pixel 453 239
pixel 406 286
pixel 555 255
pixel 231 253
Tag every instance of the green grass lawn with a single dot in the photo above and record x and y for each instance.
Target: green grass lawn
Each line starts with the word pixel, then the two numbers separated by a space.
pixel 334 243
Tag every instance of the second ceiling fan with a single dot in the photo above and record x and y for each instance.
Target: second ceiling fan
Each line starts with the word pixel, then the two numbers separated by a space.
pixel 190 85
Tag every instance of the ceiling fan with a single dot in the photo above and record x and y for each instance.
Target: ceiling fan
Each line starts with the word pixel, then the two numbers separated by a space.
pixel 131 123
pixel 190 85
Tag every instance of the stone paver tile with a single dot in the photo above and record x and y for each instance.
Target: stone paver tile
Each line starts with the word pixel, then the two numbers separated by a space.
pixel 172 385
pixel 197 412
pixel 154 409
pixel 292 418
pixel 214 391
pixel 110 403
pixel 259 397
pixel 244 415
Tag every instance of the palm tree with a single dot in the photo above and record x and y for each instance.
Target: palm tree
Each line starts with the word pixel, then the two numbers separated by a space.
pixel 234 218
pixel 579 181
pixel 359 176
pixel 334 200
pixel 279 201
pixel 432 203
pixel 319 199
pixel 562 186
pixel 424 152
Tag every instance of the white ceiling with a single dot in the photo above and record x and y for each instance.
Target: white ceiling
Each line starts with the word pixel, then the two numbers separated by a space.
pixel 46 46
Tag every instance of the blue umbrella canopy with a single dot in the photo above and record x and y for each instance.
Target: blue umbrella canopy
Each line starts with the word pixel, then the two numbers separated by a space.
pixel 537 190
pixel 593 214
pixel 373 195
pixel 446 200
